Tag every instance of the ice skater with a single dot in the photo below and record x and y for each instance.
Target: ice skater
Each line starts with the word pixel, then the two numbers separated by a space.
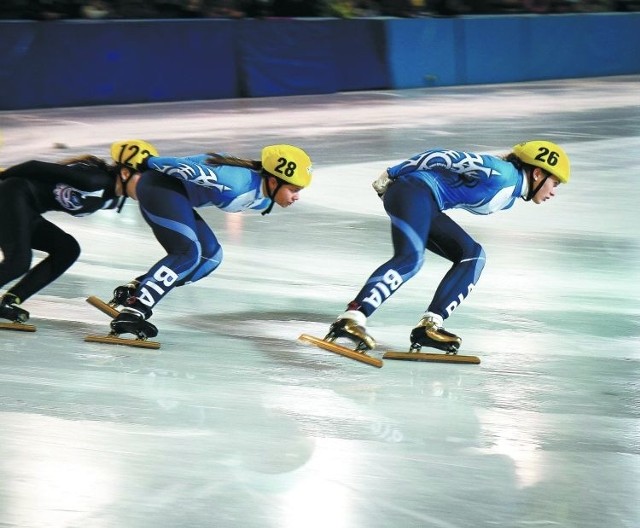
pixel 415 194
pixel 168 193
pixel 79 187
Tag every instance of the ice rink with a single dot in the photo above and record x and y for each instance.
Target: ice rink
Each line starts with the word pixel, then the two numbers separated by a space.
pixel 233 423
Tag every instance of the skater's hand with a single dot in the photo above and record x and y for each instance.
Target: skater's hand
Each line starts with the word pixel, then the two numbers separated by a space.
pixel 381 184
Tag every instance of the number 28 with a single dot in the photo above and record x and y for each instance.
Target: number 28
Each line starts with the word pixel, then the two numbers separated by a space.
pixel 288 168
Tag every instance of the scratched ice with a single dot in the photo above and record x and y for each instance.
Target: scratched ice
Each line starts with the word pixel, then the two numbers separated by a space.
pixel 233 423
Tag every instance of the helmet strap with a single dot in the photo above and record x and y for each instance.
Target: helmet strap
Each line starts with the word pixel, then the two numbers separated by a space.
pixel 532 191
pixel 272 194
pixel 124 180
pixel 123 183
pixel 121 203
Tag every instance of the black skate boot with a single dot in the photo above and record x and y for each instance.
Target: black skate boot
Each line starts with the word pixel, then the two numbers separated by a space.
pixel 352 325
pixel 123 294
pixel 429 332
pixel 132 320
pixel 9 309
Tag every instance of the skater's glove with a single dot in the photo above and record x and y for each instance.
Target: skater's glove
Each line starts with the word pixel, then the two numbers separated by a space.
pixel 381 183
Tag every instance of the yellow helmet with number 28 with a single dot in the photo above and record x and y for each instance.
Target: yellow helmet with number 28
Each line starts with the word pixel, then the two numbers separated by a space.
pixel 287 163
pixel 546 155
pixel 132 153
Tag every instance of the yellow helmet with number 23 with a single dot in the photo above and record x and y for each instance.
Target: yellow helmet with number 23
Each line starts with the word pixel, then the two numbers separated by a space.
pixel 546 155
pixel 132 153
pixel 287 163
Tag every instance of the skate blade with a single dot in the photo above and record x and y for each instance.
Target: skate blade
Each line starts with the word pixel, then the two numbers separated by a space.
pixel 103 306
pixel 115 340
pixel 434 358
pixel 343 351
pixel 20 327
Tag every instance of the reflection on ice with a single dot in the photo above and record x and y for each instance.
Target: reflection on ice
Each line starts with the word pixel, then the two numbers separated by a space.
pixel 234 423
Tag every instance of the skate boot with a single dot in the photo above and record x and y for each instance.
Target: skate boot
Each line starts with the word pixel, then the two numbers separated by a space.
pixel 122 294
pixel 352 325
pixel 429 332
pixel 132 320
pixel 9 309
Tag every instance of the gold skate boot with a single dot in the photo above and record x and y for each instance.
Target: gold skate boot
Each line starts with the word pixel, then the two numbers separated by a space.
pixel 429 332
pixel 352 325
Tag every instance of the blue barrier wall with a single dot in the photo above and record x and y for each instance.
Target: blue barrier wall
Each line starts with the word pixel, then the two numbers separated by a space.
pixel 47 64
pixel 484 50
pixel 74 63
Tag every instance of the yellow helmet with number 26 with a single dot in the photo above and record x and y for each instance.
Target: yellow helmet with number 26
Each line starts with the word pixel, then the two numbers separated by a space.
pixel 132 153
pixel 287 163
pixel 546 155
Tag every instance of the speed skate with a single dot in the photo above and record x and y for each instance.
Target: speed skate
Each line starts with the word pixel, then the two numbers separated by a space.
pixel 16 318
pixel 414 354
pixel 356 354
pixel 113 338
pixel 20 327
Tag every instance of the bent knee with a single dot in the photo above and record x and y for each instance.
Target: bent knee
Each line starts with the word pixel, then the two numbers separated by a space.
pixel 478 259
pixel 69 246
pixel 208 264
pixel 66 253
pixel 214 256
pixel 188 252
pixel 480 255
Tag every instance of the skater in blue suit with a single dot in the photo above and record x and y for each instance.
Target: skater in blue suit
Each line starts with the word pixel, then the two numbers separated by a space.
pixel 168 193
pixel 416 193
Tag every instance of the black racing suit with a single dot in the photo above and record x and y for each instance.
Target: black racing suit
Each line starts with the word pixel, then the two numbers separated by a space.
pixel 32 188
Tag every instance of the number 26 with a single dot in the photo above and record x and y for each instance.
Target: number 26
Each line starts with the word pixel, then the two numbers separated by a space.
pixel 548 156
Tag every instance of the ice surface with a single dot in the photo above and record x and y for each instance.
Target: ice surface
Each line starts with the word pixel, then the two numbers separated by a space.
pixel 233 423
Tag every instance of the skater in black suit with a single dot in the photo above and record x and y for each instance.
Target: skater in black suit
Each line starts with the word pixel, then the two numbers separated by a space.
pixel 79 187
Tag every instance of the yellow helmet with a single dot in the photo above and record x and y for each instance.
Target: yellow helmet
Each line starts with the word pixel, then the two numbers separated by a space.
pixel 288 163
pixel 132 153
pixel 547 156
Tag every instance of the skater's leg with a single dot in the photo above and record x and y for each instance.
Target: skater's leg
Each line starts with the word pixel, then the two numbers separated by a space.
pixel 63 250
pixel 165 206
pixel 411 207
pixel 450 241
pixel 211 253
pixel 16 220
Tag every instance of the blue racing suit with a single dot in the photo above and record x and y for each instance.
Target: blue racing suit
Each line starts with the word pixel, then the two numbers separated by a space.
pixel 168 193
pixel 421 189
